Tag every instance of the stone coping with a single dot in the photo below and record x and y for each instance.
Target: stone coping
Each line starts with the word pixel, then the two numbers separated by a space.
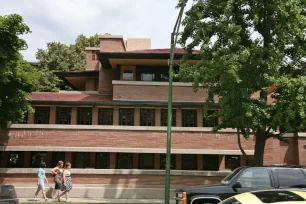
pixel 150 83
pixel 92 48
pixel 79 92
pixel 120 172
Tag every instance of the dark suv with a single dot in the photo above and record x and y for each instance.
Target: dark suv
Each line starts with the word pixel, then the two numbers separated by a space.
pixel 244 179
pixel 8 195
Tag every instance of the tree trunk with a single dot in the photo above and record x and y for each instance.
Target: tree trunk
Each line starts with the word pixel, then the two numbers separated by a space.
pixel 240 146
pixel 260 142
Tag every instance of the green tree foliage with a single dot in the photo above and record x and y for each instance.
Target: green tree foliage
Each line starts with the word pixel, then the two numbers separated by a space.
pixel 64 58
pixel 17 77
pixel 249 46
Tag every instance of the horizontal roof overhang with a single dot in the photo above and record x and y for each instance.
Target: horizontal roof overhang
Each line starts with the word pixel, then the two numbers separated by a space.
pixel 78 73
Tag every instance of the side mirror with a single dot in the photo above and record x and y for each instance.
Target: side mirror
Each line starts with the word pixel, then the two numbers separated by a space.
pixel 236 185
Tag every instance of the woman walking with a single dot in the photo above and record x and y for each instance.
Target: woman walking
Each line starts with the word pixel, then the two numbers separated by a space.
pixel 57 173
pixel 67 184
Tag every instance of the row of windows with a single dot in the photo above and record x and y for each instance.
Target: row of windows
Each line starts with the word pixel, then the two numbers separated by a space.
pixel 124 160
pixel 126 117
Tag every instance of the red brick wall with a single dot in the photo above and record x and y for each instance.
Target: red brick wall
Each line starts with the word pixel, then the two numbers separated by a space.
pixel 111 44
pixel 90 84
pixel 106 76
pixel 91 64
pixel 301 142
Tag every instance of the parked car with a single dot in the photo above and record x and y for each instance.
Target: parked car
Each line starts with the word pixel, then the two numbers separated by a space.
pixel 272 196
pixel 8 195
pixel 244 179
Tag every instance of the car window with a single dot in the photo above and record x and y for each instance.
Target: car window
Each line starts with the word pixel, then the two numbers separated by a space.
pixel 290 177
pixel 255 177
pixel 227 179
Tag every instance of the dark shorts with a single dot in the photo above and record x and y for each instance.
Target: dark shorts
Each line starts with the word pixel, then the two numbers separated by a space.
pixel 58 184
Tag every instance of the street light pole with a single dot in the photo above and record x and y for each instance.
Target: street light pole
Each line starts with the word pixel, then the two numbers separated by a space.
pixel 174 35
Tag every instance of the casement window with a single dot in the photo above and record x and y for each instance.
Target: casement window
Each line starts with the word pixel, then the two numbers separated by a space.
pixel 146 161
pixel 105 116
pixel 211 119
pixel 103 160
pixel 81 160
pixel 147 77
pixel 16 159
pixel 84 116
pixel 163 161
pixel 124 161
pixel 232 161
pixel 189 118
pixel 164 117
pixel 94 56
pixel 126 116
pixel 189 162
pixel 58 156
pixel 128 75
pixel 211 162
pixel 147 117
pixel 37 158
pixel 42 115
pixel 63 115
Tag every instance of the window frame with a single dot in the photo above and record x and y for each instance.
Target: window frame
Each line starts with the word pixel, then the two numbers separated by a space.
pixel 173 159
pixel 142 156
pixel 36 116
pixel 17 165
pixel 184 114
pixel 107 166
pixel 58 109
pixel 162 117
pixel 75 160
pixel 38 164
pixel 144 115
pixel 195 163
pixel 205 156
pixel 226 160
pixel 215 120
pixel 101 119
pixel 121 111
pixel 78 116
pixel 121 154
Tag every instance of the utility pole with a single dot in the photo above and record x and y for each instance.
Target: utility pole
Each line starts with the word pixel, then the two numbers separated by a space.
pixel 174 35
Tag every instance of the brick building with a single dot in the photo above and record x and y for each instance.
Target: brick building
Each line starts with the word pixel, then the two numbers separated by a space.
pixel 112 128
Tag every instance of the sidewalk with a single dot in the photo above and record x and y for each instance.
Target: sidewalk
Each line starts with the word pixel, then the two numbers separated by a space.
pixel 97 200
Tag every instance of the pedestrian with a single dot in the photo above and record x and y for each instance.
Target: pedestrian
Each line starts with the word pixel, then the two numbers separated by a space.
pixel 67 184
pixel 57 173
pixel 41 181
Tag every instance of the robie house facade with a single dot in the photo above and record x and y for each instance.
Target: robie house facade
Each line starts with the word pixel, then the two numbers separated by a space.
pixel 112 128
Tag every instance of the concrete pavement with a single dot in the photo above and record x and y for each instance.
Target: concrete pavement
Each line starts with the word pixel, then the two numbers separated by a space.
pixel 99 200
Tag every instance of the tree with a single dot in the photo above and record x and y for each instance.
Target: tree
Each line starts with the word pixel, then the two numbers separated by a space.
pixel 64 58
pixel 248 47
pixel 17 77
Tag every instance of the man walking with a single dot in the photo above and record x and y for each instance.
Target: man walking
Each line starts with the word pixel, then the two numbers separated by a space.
pixel 41 181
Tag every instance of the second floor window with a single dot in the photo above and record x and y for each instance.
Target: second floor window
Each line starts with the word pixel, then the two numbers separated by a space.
pixel 103 160
pixel 124 161
pixel 189 118
pixel 146 161
pixel 94 55
pixel 147 117
pixel 105 116
pixel 126 116
pixel 63 115
pixel 81 159
pixel 164 117
pixel 42 115
pixel 211 119
pixel 128 75
pixel 84 116
pixel 189 162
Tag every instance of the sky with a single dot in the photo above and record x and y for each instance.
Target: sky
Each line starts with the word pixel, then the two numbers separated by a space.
pixel 63 20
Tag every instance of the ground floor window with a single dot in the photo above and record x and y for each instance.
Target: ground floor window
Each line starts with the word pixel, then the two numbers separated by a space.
pixel 37 158
pixel 57 156
pixel 232 161
pixel 124 161
pixel 163 161
pixel 146 161
pixel 211 162
pixel 16 159
pixel 81 160
pixel 189 162
pixel 103 160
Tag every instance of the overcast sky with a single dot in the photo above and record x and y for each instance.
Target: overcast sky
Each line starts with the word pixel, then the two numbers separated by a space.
pixel 63 20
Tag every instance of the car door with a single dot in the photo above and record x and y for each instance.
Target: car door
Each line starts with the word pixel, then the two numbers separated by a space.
pixel 255 178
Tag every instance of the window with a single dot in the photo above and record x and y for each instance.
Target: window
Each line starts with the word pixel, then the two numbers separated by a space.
pixel 124 161
pixel 147 77
pixel 289 178
pixel 63 115
pixel 128 75
pixel 94 56
pixel 42 115
pixel 189 118
pixel 164 117
pixel 163 161
pixel 232 161
pixel 210 119
pixel 105 116
pixel 147 117
pixel 84 116
pixel 103 160
pixel 211 162
pixel 255 177
pixel 58 156
pixel 126 116
pixel 16 159
pixel 37 158
pixel 146 161
pixel 189 162
pixel 81 160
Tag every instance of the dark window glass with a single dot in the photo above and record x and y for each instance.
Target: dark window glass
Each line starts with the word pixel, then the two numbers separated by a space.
pixel 16 159
pixel 126 116
pixel 290 177
pixel 105 116
pixel 232 161
pixel 210 119
pixel 211 162
pixel 103 160
pixel 63 115
pixel 37 158
pixel 84 116
pixel 189 118
pixel 58 156
pixel 164 117
pixel 81 159
pixel 124 161
pixel 42 115
pixel 147 117
pixel 146 161
pixel 255 177
pixel 127 75
pixel 278 196
pixel 163 161
pixel 189 162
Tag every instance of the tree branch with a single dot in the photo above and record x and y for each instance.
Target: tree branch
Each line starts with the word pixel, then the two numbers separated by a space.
pixel 239 144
